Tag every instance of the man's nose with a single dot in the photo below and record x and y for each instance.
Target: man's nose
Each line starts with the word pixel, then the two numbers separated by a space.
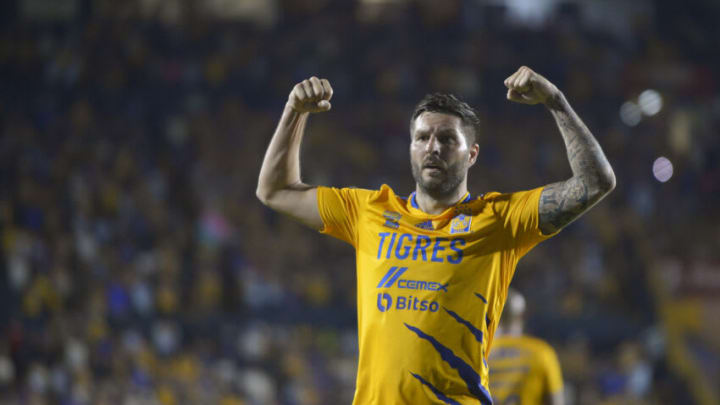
pixel 433 145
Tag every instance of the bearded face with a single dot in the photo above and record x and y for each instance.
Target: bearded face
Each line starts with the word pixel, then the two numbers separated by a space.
pixel 437 178
pixel 439 153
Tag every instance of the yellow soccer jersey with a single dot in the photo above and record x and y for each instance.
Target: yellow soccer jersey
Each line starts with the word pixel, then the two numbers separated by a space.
pixel 430 288
pixel 523 371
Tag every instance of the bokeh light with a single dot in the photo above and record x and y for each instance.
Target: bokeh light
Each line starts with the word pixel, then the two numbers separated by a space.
pixel 630 114
pixel 650 102
pixel 662 169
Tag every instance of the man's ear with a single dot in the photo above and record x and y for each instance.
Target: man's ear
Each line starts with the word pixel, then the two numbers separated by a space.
pixel 474 151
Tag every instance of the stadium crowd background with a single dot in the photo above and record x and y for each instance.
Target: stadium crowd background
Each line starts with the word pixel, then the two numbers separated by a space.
pixel 138 267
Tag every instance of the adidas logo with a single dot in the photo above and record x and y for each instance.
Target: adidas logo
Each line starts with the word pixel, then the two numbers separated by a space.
pixel 425 225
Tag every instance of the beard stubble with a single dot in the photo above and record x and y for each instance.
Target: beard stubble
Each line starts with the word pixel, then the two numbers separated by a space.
pixel 442 186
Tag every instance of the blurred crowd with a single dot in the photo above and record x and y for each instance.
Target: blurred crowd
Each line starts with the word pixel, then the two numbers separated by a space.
pixel 138 267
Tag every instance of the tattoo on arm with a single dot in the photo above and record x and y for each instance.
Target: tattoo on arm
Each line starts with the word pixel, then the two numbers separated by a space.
pixel 593 177
pixel 561 203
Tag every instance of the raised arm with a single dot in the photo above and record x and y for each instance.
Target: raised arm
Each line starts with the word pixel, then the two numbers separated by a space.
pixel 280 186
pixel 593 178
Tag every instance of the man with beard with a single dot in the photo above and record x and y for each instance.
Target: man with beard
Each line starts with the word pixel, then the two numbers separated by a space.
pixel 426 262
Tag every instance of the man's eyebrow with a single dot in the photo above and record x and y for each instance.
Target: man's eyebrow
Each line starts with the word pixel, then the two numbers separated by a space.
pixel 448 131
pixel 441 131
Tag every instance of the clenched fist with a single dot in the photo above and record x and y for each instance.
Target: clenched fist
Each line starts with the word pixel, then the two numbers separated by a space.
pixel 311 95
pixel 527 87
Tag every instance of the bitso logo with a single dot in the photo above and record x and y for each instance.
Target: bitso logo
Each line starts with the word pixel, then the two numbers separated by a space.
pixel 407 303
pixel 384 302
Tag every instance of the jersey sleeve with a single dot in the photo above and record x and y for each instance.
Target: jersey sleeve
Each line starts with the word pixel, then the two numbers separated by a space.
pixel 339 209
pixel 553 375
pixel 519 213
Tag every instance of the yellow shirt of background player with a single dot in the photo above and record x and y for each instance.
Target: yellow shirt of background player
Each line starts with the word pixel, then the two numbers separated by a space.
pixel 430 288
pixel 523 371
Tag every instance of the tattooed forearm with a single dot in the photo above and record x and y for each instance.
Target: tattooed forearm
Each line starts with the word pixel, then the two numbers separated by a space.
pixel 593 177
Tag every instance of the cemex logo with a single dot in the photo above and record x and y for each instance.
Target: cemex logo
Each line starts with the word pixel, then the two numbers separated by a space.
pixel 394 274
pixel 407 303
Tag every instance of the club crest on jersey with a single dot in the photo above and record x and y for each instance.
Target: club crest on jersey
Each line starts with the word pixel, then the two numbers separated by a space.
pixel 425 225
pixel 391 219
pixel 461 224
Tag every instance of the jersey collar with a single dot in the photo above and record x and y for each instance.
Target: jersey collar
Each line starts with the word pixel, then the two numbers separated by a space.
pixel 413 201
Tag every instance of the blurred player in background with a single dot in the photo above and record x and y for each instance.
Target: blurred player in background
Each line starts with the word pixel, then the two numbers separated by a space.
pixel 523 370
pixel 426 261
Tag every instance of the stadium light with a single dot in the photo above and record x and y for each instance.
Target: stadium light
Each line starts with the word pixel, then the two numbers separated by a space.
pixel 662 169
pixel 650 102
pixel 630 114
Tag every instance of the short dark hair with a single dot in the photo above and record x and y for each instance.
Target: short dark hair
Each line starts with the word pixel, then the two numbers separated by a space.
pixel 449 104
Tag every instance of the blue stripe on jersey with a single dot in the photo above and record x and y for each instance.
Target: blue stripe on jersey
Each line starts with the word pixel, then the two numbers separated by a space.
pixel 486 399
pixel 397 275
pixel 510 369
pixel 487 320
pixel 466 372
pixel 436 391
pixel 386 276
pixel 475 331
